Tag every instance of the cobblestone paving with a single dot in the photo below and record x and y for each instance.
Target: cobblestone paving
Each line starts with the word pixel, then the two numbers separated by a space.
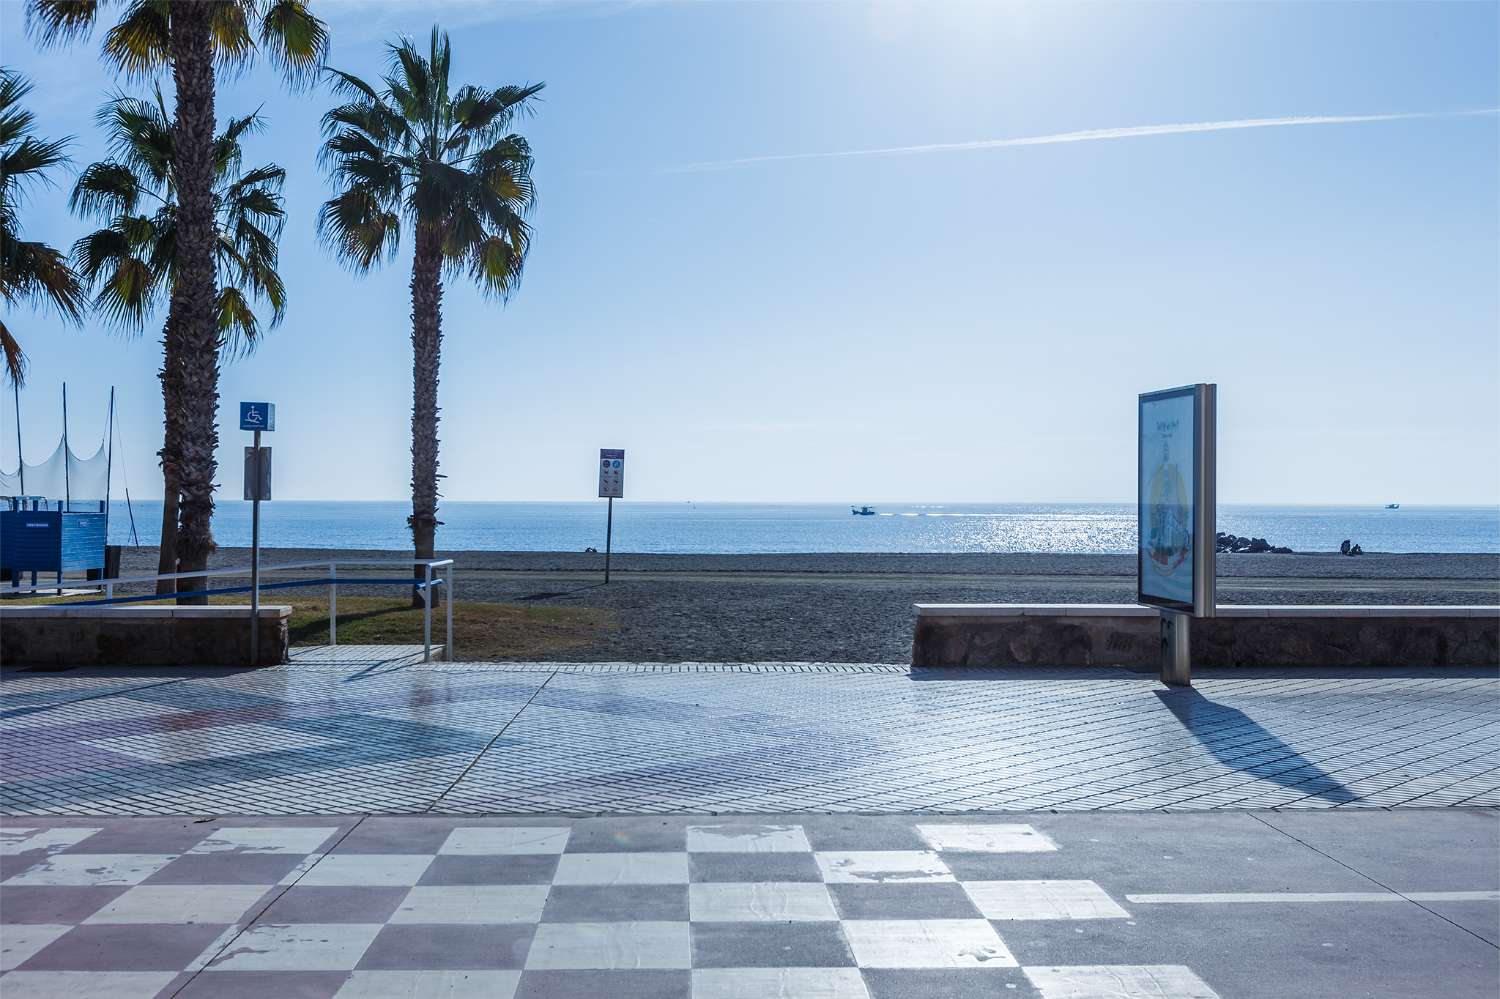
pixel 353 731
pixel 798 907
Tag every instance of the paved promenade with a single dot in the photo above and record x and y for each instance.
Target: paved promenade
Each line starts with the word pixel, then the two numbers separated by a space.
pixel 357 824
pixel 1318 905
pixel 333 733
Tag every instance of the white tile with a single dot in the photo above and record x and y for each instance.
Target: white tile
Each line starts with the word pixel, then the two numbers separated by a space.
pixel 93 869
pixel 85 984
pixel 181 904
pixel 472 904
pixel 269 839
pixel 782 983
pixel 926 943
pixel 209 743
pixel 18 941
pixel 1119 981
pixel 356 870
pixel 882 867
pixel 16 840
pixel 298 947
pixel 762 901
pixel 506 840
pixel 747 837
pixel 987 838
pixel 622 869
pixel 563 946
pixel 430 985
pixel 1043 900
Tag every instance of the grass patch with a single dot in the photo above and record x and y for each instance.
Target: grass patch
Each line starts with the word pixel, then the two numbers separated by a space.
pixel 480 630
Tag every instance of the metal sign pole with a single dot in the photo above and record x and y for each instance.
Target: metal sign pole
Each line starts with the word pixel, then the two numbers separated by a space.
pixel 255 560
pixel 609 534
pixel 1176 646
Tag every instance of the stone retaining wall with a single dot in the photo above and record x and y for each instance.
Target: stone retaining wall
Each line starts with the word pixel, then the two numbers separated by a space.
pixel 1276 636
pixel 62 635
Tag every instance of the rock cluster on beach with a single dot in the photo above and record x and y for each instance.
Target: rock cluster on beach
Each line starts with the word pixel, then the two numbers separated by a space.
pixel 1250 546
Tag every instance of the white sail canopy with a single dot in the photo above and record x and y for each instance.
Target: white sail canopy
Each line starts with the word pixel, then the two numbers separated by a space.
pixel 62 474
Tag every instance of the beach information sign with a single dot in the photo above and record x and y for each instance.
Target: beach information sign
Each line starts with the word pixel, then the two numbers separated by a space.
pixel 1176 497
pixel 611 473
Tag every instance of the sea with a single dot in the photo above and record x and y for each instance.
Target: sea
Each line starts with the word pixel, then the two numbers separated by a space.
pixel 762 528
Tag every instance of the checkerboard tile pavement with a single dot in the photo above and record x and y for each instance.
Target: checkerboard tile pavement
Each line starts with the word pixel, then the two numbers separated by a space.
pixel 416 906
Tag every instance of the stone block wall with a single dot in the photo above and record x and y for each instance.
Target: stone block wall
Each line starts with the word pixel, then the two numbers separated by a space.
pixel 151 636
pixel 1129 636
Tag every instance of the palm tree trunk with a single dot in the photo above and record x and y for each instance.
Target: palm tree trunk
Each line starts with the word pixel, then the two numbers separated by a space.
pixel 166 552
pixel 194 375
pixel 427 346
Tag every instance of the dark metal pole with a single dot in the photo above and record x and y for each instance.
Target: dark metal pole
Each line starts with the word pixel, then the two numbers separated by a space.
pixel 255 559
pixel 67 455
pixel 20 461
pixel 109 463
pixel 609 534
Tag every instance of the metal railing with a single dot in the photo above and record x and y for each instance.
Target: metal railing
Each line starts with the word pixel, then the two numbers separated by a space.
pixel 435 573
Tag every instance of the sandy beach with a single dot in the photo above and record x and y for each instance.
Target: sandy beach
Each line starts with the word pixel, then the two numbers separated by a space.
pixel 858 607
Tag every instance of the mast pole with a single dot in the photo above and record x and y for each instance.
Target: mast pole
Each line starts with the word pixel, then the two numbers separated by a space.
pixel 109 459
pixel 20 461
pixel 67 456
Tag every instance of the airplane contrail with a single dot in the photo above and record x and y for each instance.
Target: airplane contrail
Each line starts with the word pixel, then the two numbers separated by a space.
pixel 1089 135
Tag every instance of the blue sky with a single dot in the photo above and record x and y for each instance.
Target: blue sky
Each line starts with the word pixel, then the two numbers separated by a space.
pixel 953 325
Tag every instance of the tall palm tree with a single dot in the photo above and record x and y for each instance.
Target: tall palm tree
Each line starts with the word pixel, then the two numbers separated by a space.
pixel 190 38
pixel 29 271
pixel 441 161
pixel 134 261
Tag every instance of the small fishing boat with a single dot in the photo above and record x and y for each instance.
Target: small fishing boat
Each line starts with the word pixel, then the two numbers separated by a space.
pixel 1393 506
pixel 862 511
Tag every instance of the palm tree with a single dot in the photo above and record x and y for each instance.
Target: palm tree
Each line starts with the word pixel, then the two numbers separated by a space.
pixel 441 161
pixel 134 261
pixel 190 37
pixel 29 271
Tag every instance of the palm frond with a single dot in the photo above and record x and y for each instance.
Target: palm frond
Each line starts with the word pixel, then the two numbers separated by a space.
pixel 15 358
pixel 239 330
pixel 229 27
pixel 296 41
pixel 53 22
pixel 358 228
pixel 105 189
pixel 140 43
pixel 36 272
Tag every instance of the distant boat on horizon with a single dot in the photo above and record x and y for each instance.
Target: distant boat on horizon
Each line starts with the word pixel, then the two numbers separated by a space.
pixel 862 511
pixel 1393 506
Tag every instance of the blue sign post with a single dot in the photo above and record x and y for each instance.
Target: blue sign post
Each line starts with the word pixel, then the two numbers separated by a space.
pixel 256 417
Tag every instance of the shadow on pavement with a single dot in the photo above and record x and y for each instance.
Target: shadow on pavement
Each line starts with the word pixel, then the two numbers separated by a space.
pixel 1239 742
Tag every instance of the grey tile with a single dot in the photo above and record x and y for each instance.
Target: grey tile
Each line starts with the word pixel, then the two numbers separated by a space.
pixel 948 983
pixel 226 869
pixel 902 901
pixel 263 985
pixel 419 947
pixel 516 870
pixel 749 867
pixel 154 947
pixel 62 904
pixel 770 945
pixel 616 903
pixel 314 904
pixel 627 836
pixel 605 985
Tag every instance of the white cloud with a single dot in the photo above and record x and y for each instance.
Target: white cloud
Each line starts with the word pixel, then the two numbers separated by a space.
pixel 1089 135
